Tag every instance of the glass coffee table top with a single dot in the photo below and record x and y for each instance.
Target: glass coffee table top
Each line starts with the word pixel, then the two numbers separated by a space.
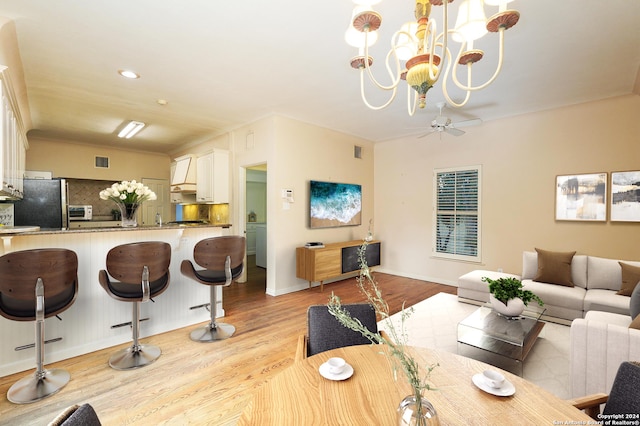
pixel 511 338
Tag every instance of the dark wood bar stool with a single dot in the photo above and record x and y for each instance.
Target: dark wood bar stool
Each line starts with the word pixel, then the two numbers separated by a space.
pixel 34 285
pixel 223 260
pixel 140 271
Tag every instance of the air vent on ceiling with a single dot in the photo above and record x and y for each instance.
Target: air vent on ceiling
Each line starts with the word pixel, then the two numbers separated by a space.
pixel 102 162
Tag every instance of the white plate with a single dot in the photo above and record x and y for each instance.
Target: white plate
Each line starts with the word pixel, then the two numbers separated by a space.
pixel 507 388
pixel 324 372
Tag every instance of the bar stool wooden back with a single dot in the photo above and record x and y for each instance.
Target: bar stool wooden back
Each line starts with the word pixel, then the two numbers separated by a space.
pixel 140 271
pixel 34 285
pixel 223 260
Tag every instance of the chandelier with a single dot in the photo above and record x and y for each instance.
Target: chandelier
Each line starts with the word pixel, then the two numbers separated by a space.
pixel 425 52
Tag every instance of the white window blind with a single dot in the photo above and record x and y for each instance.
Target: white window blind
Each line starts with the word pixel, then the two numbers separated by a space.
pixel 457 218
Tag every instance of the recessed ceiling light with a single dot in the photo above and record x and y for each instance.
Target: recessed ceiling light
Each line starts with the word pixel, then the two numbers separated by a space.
pixel 128 74
pixel 162 102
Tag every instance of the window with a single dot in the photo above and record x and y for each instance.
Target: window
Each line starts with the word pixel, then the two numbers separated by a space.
pixel 457 218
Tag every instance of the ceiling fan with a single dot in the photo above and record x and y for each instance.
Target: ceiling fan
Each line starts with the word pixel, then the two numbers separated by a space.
pixel 444 124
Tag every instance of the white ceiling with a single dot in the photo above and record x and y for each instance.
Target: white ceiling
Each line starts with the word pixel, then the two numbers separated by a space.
pixel 223 64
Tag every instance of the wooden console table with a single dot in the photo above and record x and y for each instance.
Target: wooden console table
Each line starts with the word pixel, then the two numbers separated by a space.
pixel 333 260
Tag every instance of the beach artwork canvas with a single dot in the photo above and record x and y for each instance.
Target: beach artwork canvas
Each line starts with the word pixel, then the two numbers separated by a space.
pixel 334 204
pixel 625 196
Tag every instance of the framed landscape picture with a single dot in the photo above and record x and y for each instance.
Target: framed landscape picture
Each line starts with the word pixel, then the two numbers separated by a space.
pixel 581 197
pixel 625 196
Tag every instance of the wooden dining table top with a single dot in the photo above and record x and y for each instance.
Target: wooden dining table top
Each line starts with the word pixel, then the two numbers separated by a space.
pixel 301 396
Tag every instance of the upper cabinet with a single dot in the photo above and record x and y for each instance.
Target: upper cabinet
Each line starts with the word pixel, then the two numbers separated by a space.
pixel 14 142
pixel 213 177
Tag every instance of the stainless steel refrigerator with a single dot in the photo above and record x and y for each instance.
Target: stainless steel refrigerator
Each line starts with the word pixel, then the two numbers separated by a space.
pixel 44 204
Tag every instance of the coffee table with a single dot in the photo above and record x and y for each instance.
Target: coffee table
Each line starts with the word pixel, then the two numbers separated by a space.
pixel 497 340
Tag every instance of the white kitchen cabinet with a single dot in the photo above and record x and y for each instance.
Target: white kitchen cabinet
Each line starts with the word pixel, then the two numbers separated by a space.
pixel 14 141
pixel 212 171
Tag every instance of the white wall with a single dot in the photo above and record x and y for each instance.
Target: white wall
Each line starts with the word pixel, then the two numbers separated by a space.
pixel 520 157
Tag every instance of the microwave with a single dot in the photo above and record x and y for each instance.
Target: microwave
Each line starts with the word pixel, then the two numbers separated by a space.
pixel 77 212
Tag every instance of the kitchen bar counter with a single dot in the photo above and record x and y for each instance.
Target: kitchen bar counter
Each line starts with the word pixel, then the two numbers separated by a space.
pixel 119 228
pixel 92 322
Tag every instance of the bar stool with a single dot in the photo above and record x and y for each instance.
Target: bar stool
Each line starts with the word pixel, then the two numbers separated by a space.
pixel 34 285
pixel 223 260
pixel 142 272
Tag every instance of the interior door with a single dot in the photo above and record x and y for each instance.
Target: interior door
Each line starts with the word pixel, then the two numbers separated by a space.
pixel 161 205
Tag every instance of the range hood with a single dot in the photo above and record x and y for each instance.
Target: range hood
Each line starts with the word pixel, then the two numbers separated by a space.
pixel 184 175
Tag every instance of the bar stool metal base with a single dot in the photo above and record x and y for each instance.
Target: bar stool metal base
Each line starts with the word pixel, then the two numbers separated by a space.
pixel 134 357
pixel 219 331
pixel 38 386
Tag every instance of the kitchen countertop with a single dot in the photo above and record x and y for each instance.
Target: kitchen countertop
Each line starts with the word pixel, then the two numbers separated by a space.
pixel 18 229
pixel 37 231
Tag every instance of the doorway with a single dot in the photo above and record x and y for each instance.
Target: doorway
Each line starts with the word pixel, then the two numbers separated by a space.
pixel 161 205
pixel 256 223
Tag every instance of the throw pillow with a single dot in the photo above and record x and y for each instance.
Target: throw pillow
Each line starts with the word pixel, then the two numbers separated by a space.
pixel 635 323
pixel 634 303
pixel 554 267
pixel 630 277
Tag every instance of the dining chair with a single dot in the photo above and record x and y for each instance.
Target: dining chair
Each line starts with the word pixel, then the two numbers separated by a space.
pixel 140 272
pixel 34 285
pixel 223 261
pixel 324 332
pixel 624 397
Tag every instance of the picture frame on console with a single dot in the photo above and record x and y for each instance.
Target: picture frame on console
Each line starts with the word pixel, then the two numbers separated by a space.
pixel 334 204
pixel 625 196
pixel 581 197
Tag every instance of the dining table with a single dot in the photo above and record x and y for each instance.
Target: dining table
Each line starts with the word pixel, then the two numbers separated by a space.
pixel 300 395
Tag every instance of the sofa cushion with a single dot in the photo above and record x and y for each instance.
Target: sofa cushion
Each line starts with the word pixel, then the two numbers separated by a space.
pixel 554 267
pixel 630 278
pixel 566 297
pixel 635 323
pixel 578 268
pixel 634 303
pixel 608 318
pixel 606 300
pixel 605 273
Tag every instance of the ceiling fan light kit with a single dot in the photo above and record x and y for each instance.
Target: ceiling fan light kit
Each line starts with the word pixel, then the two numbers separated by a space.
pixel 427 51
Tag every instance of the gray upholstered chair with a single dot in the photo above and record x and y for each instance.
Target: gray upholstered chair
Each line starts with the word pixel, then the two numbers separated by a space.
pixel 34 285
pixel 223 261
pixel 624 397
pixel 77 415
pixel 140 272
pixel 324 332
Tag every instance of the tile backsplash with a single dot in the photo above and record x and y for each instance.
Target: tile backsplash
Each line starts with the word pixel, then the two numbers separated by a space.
pixel 87 191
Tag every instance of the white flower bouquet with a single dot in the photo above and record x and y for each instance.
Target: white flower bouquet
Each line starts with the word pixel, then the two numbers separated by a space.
pixel 128 192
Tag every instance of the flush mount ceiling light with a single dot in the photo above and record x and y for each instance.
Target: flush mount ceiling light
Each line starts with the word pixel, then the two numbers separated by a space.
pixel 425 52
pixel 131 129
pixel 129 74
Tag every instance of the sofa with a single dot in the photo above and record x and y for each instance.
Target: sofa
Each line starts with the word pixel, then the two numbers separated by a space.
pixel 569 284
pixel 600 342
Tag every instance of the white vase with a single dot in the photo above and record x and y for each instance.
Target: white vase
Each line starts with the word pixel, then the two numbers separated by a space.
pixel 513 308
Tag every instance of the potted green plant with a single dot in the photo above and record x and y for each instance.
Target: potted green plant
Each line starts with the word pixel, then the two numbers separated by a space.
pixel 508 297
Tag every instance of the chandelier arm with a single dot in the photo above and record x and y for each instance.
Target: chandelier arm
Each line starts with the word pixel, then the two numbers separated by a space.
pixel 364 98
pixel 469 87
pixel 445 91
pixel 410 110
pixel 395 79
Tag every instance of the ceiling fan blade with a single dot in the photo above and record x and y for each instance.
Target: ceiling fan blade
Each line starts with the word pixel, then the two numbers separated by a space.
pixel 453 131
pixel 467 123
pixel 426 134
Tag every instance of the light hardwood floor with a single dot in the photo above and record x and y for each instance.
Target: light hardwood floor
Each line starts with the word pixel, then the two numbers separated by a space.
pixel 202 383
